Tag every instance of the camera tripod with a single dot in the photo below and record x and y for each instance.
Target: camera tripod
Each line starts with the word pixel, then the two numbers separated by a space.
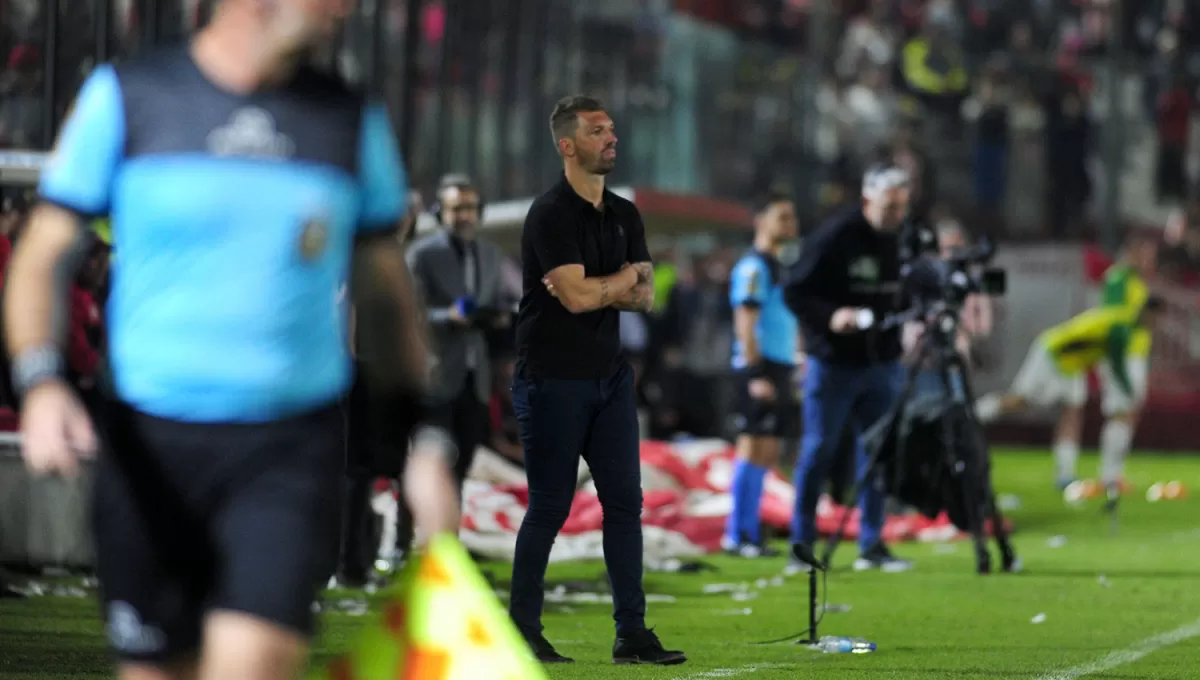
pixel 963 451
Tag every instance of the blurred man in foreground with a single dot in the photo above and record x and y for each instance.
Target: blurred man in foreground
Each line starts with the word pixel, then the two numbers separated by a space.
pixel 223 438
pixel 764 357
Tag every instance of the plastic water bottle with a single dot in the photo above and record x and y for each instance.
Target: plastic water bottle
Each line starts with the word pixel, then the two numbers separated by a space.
pixel 838 644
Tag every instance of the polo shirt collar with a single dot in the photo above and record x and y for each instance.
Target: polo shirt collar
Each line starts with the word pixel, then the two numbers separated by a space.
pixel 566 189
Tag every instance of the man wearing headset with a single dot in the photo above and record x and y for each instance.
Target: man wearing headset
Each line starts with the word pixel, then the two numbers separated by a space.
pixel 458 274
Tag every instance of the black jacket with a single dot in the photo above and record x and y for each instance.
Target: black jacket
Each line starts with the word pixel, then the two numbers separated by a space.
pixel 846 263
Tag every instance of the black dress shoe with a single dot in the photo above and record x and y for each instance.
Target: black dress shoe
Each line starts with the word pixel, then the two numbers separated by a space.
pixel 643 647
pixel 544 651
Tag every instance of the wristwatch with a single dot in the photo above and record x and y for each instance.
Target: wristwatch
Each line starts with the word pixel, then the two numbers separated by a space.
pixel 35 366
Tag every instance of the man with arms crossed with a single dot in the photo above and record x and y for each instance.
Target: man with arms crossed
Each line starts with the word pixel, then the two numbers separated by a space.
pixel 764 359
pixel 584 258
pixel 241 185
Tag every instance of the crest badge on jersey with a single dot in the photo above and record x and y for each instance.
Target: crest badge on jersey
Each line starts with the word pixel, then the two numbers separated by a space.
pixel 753 286
pixel 314 239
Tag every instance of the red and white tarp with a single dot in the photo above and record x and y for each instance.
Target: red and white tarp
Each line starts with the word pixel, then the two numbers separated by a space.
pixel 686 490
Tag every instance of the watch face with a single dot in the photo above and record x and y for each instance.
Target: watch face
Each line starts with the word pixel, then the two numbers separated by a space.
pixel 866 318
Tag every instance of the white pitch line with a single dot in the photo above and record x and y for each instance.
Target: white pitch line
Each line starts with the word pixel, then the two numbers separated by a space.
pixel 1129 654
pixel 731 672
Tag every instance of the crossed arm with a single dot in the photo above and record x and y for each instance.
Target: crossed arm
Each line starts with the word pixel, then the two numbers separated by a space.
pixel 630 289
pixel 640 298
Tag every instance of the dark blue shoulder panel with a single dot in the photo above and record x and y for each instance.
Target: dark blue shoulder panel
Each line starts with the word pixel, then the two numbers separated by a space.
pixel 172 108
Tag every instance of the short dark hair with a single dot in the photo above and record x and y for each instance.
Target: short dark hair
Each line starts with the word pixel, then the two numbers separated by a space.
pixel 564 120
pixel 774 195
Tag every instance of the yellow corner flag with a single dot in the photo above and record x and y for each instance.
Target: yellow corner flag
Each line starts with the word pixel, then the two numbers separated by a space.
pixel 441 622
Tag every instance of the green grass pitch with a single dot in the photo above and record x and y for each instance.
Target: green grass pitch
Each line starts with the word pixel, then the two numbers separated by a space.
pixel 1108 606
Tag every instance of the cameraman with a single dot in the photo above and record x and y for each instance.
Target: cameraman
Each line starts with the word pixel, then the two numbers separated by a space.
pixel 848 273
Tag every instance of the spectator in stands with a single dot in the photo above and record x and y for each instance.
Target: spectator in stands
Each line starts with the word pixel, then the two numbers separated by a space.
pixel 870 111
pixel 1026 162
pixel 987 110
pixel 870 40
pixel 1174 118
pixel 908 155
pixel 1026 64
pixel 20 93
pixel 1069 138
pixel 932 65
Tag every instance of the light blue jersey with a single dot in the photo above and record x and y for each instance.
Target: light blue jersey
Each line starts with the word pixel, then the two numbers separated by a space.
pixel 755 282
pixel 233 221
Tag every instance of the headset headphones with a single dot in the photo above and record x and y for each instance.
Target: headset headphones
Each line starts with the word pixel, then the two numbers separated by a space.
pixel 456 180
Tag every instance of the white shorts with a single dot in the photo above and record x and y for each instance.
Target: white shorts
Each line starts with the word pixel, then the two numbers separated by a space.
pixel 1114 400
pixel 1040 382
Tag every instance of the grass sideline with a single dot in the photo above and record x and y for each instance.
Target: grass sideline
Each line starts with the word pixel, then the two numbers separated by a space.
pixel 1120 606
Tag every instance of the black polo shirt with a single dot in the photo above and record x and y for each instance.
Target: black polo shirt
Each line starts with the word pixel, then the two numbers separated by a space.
pixel 563 228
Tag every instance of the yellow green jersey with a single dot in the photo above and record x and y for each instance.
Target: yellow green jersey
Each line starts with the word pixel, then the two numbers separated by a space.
pixel 1081 342
pixel 1124 288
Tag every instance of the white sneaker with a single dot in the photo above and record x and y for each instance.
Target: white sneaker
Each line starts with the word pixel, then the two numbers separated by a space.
pixel 882 559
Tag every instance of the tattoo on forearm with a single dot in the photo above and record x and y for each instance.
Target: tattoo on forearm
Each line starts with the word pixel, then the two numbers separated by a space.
pixel 603 292
pixel 640 298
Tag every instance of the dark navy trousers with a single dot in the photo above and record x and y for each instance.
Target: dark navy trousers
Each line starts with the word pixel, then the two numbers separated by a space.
pixel 561 421
pixel 834 397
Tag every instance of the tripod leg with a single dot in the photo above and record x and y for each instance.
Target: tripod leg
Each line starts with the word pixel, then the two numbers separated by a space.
pixel 1008 557
pixel 977 483
pixel 968 473
pixel 976 505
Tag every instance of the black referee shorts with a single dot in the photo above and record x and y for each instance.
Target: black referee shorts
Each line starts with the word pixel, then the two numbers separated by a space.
pixel 779 418
pixel 191 518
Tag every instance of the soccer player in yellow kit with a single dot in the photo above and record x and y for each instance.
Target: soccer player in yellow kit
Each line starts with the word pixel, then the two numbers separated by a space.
pixel 1055 373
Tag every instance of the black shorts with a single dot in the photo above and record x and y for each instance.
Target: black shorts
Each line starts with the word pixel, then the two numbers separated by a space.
pixel 779 418
pixel 190 518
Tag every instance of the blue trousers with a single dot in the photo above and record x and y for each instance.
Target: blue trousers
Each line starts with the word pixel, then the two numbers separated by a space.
pixel 834 397
pixel 561 421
